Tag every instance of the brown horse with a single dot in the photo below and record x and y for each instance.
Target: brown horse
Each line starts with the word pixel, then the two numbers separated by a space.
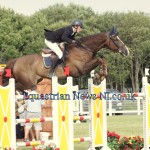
pixel 28 70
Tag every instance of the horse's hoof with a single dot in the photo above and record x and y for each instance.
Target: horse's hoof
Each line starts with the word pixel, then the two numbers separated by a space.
pixel 102 78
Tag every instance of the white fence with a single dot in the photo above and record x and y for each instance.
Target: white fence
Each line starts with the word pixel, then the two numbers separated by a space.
pixel 113 107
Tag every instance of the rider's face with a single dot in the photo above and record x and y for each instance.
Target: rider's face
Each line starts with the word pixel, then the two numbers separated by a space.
pixel 79 29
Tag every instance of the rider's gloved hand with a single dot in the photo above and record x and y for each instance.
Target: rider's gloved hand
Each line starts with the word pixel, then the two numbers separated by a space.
pixel 76 42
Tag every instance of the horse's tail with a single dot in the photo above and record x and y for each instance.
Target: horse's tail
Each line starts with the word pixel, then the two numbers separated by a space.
pixel 9 65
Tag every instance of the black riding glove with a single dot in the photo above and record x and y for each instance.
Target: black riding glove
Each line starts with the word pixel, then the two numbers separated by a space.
pixel 76 42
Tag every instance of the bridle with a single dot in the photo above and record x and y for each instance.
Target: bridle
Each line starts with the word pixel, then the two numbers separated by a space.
pixel 116 44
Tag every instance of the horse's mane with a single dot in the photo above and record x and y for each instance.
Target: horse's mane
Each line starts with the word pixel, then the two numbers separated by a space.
pixel 96 36
pixel 89 37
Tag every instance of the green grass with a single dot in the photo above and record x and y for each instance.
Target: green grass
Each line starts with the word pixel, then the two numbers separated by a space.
pixel 124 125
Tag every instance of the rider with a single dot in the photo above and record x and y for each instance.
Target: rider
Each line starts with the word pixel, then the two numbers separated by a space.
pixel 65 34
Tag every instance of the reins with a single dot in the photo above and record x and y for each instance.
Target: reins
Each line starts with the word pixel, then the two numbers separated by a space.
pixel 85 47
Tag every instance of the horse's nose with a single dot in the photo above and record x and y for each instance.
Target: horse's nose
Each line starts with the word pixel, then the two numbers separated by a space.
pixel 126 51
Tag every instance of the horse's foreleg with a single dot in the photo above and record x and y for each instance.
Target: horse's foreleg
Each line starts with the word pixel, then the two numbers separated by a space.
pixel 90 66
pixel 103 67
pixel 102 73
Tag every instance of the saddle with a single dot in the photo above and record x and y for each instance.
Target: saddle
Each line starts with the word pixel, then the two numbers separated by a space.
pixel 51 60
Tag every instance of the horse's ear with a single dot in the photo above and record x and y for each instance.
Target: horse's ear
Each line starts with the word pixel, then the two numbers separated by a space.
pixel 113 32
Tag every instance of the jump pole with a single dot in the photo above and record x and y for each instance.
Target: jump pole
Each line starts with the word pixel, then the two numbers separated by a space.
pixel 97 109
pixel 7 116
pixel 8 119
pixel 146 113
pixel 62 117
pixel 63 111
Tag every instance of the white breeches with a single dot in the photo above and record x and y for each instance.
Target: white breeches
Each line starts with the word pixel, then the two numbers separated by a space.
pixel 55 48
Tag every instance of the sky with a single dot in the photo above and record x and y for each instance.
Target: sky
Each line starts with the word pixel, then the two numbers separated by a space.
pixel 29 7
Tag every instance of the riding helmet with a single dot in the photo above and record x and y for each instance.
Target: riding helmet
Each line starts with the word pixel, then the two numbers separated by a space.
pixel 77 23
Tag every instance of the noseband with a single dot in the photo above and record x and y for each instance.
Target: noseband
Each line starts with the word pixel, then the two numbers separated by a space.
pixel 116 44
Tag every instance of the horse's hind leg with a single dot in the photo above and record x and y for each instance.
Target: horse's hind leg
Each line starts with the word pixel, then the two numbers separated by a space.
pixel 19 86
pixel 24 80
pixel 22 87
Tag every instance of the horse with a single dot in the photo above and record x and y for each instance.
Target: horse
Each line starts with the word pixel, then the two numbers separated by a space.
pixel 81 59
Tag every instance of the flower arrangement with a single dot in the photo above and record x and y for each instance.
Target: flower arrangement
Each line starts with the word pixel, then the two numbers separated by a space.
pixel 124 143
pixel 136 143
pixel 45 146
pixel 113 140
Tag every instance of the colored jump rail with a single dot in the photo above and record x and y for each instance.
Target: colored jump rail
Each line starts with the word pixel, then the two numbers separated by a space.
pixel 35 143
pixel 75 118
pixel 82 139
pixel 28 120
